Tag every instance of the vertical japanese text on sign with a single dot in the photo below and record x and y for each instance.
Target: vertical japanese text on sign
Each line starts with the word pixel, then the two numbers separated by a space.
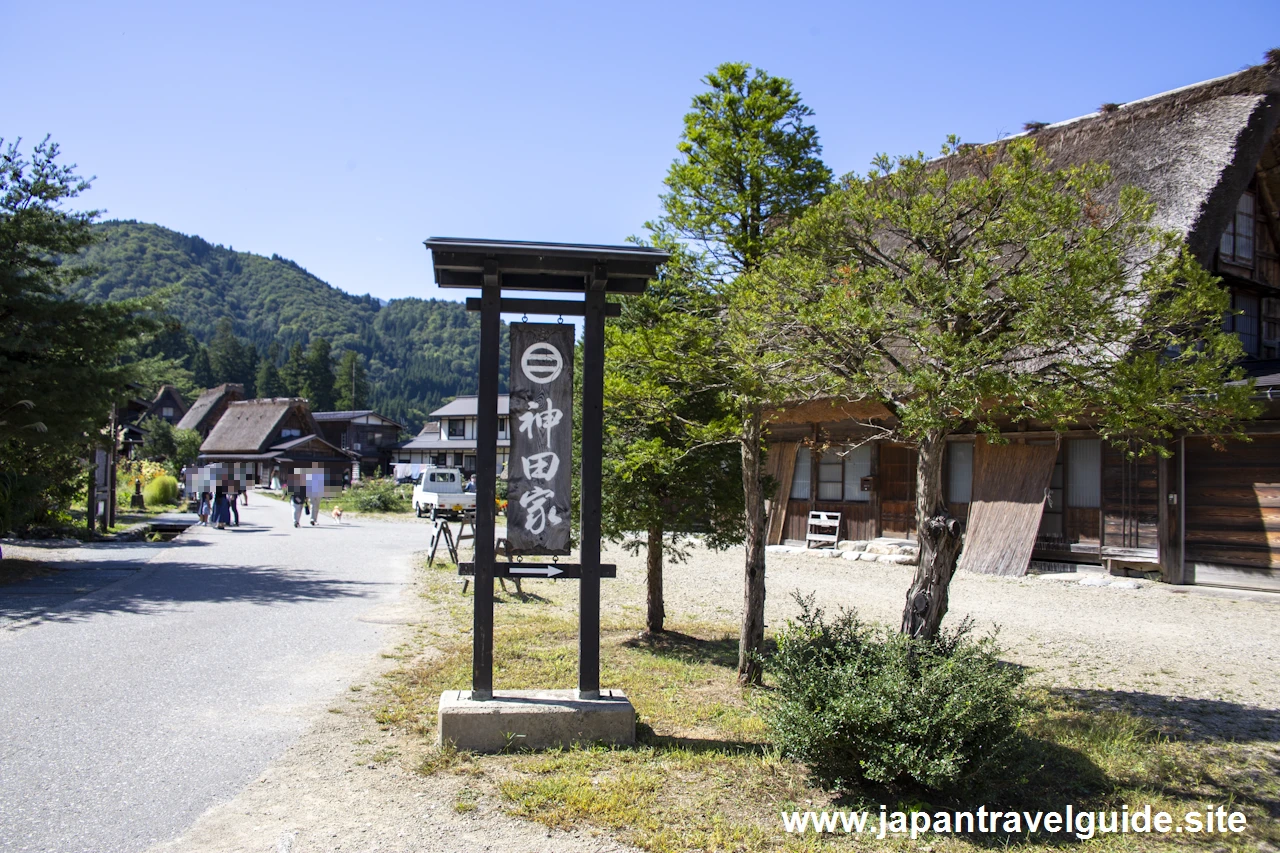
pixel 540 470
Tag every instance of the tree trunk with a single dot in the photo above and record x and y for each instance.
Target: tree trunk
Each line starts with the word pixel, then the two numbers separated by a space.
pixel 657 611
pixel 939 536
pixel 751 641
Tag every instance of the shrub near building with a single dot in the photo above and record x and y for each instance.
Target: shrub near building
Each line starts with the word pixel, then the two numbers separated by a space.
pixel 861 704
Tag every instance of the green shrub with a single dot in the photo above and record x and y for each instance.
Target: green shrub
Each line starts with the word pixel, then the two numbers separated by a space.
pixel 859 704
pixel 161 490
pixel 374 496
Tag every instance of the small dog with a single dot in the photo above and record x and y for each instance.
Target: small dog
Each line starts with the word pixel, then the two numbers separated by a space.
pixel 337 514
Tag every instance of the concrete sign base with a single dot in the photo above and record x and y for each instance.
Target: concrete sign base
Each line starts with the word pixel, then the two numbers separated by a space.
pixel 534 719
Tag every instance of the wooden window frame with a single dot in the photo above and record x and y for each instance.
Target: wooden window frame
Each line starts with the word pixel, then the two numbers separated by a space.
pixel 1230 234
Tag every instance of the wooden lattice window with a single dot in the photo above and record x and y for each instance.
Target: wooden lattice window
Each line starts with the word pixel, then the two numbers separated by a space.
pixel 1245 320
pixel 1236 246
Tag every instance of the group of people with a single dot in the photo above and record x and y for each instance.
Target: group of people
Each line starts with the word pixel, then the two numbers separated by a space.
pixel 220 507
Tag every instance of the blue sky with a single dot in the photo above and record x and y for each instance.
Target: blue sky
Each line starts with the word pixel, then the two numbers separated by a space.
pixel 342 135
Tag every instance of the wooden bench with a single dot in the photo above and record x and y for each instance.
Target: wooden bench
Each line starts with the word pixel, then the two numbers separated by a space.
pixel 824 528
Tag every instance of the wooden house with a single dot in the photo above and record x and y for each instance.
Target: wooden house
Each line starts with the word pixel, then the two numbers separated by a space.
pixel 1209 156
pixel 450 437
pixel 272 438
pixel 209 408
pixel 168 405
pixel 365 433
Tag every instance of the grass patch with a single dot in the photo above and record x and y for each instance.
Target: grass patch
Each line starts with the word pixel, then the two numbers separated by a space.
pixel 704 776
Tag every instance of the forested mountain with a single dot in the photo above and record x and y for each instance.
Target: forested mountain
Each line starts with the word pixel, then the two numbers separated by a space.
pixel 417 352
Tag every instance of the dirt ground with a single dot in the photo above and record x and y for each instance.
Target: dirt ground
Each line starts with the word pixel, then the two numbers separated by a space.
pixel 1203 662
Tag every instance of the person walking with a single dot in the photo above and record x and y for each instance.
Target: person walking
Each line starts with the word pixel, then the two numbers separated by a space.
pixel 315 490
pixel 221 511
pixel 203 509
pixel 298 498
pixel 233 501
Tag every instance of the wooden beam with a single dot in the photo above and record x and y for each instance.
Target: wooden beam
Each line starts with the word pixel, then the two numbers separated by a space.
pixel 550 307
pixel 486 488
pixel 591 473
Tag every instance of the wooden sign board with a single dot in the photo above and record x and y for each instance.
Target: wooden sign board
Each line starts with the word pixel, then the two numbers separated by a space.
pixel 540 470
pixel 552 571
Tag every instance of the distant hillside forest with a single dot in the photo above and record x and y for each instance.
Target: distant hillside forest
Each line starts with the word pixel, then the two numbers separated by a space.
pixel 232 313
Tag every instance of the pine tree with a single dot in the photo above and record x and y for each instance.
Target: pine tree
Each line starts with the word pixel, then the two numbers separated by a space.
pixel 750 164
pixel 201 370
pixel 352 386
pixel 251 370
pixel 294 372
pixel 268 382
pixel 319 380
pixel 227 357
pixel 62 364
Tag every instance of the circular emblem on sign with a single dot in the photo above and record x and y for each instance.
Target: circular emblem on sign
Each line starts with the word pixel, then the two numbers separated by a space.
pixel 541 363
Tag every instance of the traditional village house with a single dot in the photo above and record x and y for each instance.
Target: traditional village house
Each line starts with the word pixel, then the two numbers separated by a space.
pixel 269 439
pixel 1209 156
pixel 209 407
pixel 365 433
pixel 449 439
pixel 168 405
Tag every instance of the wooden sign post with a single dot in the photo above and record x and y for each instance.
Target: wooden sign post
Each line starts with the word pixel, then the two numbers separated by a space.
pixel 541 418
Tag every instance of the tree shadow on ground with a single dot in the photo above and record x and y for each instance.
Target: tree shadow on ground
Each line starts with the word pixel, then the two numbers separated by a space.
pixel 646 736
pixel 687 648
pixel 1144 737
pixel 1187 719
pixel 177 583
pixel 504 596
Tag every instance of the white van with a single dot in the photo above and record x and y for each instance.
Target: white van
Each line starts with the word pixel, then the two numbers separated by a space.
pixel 439 491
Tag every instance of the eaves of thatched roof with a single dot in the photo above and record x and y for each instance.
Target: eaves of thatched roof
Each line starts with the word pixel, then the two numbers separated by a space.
pixel 249 426
pixel 207 403
pixel 1193 149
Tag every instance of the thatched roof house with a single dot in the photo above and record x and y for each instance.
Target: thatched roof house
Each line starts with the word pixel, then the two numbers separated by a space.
pixel 1209 157
pixel 1193 149
pixel 274 437
pixel 168 405
pixel 209 406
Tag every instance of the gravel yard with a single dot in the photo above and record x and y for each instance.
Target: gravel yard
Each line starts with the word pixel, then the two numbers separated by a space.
pixel 1140 643
pixel 349 782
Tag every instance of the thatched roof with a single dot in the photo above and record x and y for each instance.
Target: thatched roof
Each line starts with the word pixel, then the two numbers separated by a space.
pixel 1193 149
pixel 206 406
pixel 167 394
pixel 250 426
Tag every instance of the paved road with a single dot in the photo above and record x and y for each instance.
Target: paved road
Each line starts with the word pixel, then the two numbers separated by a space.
pixel 128 712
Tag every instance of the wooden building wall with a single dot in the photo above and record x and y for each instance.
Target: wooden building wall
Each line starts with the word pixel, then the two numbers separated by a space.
pixel 1130 503
pixel 1233 512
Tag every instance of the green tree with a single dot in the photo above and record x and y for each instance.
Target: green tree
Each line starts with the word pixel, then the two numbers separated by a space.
pixel 294 372
pixel 62 360
pixel 990 288
pixel 319 381
pixel 660 477
pixel 750 163
pixel 269 382
pixel 201 370
pixel 158 443
pixel 186 443
pixel 351 384
pixel 227 357
pixel 251 362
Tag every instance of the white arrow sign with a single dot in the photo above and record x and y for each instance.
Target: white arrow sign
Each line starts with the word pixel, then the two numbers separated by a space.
pixel 545 571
